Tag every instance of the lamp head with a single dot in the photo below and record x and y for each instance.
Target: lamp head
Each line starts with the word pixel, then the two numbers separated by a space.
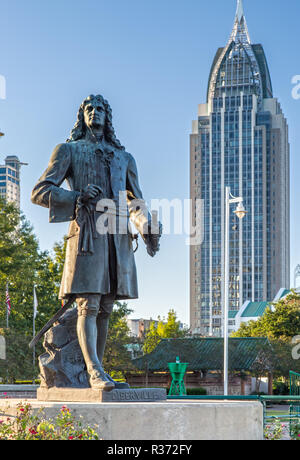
pixel 240 211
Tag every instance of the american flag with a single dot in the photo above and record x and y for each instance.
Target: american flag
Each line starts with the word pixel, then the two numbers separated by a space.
pixel 8 304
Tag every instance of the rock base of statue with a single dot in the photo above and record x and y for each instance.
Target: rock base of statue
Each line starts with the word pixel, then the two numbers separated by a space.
pixel 98 396
pixel 62 365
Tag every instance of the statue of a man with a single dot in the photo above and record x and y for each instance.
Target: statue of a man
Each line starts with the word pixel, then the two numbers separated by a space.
pixel 99 266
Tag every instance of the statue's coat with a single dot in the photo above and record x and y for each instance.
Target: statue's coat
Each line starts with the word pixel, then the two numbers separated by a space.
pixel 76 162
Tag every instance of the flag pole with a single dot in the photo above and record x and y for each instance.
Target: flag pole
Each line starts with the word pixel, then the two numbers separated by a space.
pixel 33 332
pixel 33 327
pixel 7 316
pixel 35 311
pixel 7 313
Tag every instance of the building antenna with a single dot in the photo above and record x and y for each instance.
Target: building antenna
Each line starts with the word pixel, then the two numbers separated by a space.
pixel 240 10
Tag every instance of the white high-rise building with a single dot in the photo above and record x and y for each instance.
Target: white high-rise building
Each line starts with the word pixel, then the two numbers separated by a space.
pixel 10 179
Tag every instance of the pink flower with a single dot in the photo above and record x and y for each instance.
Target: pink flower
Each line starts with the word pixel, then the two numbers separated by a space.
pixel 71 437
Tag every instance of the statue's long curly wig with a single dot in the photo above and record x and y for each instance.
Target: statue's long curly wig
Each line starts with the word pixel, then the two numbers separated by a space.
pixel 79 130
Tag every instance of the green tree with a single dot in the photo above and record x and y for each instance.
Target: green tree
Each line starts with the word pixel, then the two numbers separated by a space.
pixel 56 263
pixel 23 265
pixel 117 358
pixel 170 329
pixel 282 322
pixel 19 359
pixel 152 338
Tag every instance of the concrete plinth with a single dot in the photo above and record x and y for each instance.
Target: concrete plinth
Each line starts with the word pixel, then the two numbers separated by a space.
pixel 170 420
pixel 97 396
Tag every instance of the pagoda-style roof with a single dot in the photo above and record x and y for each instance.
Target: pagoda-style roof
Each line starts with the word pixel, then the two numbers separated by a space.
pixel 204 354
pixel 255 309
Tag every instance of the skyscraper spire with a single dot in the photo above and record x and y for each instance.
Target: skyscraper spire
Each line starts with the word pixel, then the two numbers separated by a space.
pixel 240 30
pixel 239 10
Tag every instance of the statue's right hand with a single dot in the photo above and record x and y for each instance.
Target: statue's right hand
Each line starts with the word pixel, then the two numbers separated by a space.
pixel 90 192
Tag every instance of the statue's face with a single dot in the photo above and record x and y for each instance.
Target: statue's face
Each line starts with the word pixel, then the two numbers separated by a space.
pixel 94 114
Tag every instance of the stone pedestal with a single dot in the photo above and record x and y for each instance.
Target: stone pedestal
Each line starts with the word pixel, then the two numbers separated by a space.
pixel 99 396
pixel 169 420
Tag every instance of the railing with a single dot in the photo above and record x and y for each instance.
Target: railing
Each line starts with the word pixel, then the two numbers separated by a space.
pixel 216 398
pixel 294 384
pixel 291 419
pixel 294 391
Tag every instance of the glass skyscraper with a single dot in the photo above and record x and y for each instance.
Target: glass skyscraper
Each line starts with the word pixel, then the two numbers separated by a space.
pixel 240 140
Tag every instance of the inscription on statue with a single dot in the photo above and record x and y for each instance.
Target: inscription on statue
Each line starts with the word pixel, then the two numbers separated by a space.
pixel 138 395
pixel 134 395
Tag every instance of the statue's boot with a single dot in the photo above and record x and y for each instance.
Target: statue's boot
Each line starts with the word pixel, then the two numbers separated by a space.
pixel 102 325
pixel 98 380
pixel 118 385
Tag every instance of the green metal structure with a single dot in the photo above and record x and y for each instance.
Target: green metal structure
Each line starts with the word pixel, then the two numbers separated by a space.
pixel 178 371
pixel 294 384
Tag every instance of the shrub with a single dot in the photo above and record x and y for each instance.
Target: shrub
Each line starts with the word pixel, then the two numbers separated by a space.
pixel 280 388
pixel 196 391
pixel 295 431
pixel 27 426
pixel 274 430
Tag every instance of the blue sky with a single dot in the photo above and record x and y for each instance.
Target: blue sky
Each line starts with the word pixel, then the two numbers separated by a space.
pixel 151 60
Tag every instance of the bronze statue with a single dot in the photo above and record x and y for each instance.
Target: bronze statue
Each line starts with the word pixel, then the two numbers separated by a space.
pixel 99 266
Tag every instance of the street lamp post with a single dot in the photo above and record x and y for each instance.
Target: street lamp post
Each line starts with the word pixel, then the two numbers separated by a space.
pixel 240 213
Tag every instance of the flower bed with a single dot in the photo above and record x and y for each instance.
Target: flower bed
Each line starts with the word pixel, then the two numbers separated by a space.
pixel 277 430
pixel 29 426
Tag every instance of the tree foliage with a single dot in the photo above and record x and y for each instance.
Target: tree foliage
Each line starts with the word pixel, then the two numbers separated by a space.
pixel 170 329
pixel 117 358
pixel 281 324
pixel 19 358
pixel 23 265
